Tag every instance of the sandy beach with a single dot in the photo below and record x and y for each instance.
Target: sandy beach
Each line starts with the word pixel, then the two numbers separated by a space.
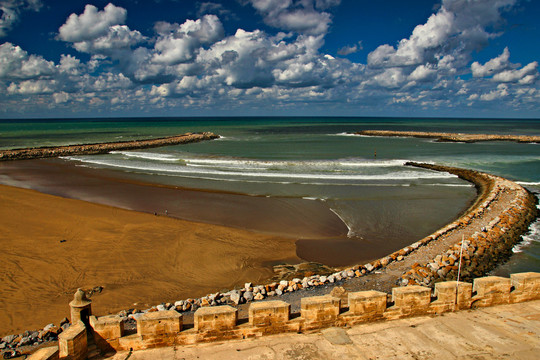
pixel 137 258
pixel 207 242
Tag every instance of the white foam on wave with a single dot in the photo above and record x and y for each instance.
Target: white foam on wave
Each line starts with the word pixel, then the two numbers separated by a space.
pixel 533 235
pixel 525 183
pixel 345 134
pixel 187 170
pixel 240 163
pixel 147 155
pixel 486 160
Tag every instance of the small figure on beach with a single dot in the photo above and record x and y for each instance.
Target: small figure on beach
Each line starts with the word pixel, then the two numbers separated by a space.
pixel 166 212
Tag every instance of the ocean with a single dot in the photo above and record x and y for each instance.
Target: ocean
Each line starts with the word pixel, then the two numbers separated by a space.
pixel 293 161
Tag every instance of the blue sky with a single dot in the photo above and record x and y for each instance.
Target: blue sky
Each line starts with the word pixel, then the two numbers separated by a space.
pixel 462 58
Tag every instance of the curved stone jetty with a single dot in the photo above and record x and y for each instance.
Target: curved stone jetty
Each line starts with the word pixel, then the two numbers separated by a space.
pixel 102 148
pixel 484 247
pixel 452 137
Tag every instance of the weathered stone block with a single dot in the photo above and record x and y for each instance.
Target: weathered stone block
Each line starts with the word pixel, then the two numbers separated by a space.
pixel 108 327
pixel 159 323
pixel 411 300
pixel 319 309
pixel 269 313
pixel 215 318
pixel 72 342
pixel 451 296
pixel 491 290
pixel 47 353
pixel 107 331
pixel 369 304
pixel 526 286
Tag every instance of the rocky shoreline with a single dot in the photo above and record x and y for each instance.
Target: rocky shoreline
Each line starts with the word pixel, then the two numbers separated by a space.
pixel 102 148
pixel 452 137
pixel 484 249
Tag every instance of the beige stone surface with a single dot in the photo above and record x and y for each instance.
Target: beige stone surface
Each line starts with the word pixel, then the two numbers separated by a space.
pixel 269 313
pixel 215 318
pixel 499 332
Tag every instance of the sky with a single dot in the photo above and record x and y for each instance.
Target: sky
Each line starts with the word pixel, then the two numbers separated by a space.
pixel 125 58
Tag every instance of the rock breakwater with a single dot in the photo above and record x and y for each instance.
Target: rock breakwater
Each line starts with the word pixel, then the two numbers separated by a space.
pixel 452 137
pixel 102 148
pixel 486 247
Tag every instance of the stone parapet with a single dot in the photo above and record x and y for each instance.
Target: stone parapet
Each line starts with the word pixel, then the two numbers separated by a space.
pixel 491 290
pixel 220 323
pixel 526 287
pixel 72 343
pixel 269 313
pixel 159 323
pixel 409 301
pixel 318 311
pixel 451 296
pixel 46 353
pixel 107 331
pixel 215 318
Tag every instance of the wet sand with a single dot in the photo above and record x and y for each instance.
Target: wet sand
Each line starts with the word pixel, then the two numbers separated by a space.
pixel 291 217
pixel 137 258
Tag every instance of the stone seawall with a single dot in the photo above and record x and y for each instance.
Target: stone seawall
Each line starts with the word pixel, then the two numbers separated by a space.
pixel 166 328
pixel 486 247
pixel 452 137
pixel 101 148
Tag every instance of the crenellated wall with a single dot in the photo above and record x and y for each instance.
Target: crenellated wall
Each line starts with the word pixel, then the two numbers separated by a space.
pixel 165 328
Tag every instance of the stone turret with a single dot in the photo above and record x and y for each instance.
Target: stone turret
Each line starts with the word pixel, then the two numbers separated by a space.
pixel 81 308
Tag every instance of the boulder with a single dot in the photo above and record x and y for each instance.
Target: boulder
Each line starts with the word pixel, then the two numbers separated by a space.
pixel 235 297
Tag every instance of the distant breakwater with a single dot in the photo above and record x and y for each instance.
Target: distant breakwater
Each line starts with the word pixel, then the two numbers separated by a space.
pixel 452 137
pixel 102 148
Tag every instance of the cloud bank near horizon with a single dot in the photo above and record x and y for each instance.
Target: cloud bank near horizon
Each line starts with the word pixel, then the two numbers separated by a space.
pixel 196 65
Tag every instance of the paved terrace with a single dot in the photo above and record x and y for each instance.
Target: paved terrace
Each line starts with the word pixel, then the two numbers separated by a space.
pixel 499 332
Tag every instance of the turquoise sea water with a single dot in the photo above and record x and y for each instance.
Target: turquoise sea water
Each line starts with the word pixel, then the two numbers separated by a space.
pixel 361 179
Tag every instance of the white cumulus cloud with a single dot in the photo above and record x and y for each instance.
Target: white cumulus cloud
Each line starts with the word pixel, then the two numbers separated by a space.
pixel 493 66
pixel 91 24
pixel 525 75
pixel 301 16
pixel 181 42
pixel 16 63
pixel 455 30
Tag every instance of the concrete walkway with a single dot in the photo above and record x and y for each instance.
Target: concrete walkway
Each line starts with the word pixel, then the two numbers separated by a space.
pixel 500 332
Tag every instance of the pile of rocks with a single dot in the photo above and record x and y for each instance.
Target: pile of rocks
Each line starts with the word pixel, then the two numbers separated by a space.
pixel 480 252
pixel 33 338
